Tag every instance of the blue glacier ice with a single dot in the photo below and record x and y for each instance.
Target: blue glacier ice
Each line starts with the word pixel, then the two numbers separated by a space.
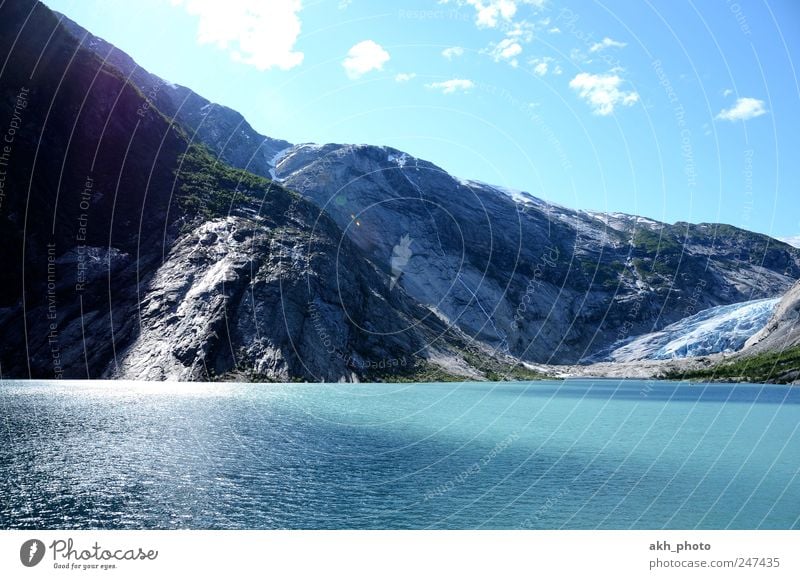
pixel 711 331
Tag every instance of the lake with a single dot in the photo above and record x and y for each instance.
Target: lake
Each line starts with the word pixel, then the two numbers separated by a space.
pixel 577 454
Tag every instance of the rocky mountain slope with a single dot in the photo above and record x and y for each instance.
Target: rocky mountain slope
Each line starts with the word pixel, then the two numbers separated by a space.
pixel 130 253
pixel 528 278
pixel 137 246
pixel 87 198
pixel 539 281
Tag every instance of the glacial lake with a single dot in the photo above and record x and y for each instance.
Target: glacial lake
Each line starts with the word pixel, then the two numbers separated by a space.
pixel 578 454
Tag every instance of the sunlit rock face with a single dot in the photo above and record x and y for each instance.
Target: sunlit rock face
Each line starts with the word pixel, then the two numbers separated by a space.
pixel 537 280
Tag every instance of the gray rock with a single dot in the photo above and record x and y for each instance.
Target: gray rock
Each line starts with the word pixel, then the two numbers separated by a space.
pixel 783 329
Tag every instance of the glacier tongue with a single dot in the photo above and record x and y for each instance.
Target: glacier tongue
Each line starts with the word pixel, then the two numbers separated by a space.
pixel 711 331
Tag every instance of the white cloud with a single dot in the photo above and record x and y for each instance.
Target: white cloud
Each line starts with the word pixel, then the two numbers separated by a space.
pixel 510 47
pixel 727 92
pixel 452 52
pixel 491 13
pixel 261 34
pixel 364 57
pixel 545 64
pixel 344 4
pixel 501 14
pixel 602 92
pixel 507 49
pixel 452 85
pixel 554 30
pixel 404 76
pixel 745 108
pixel 521 31
pixel 488 13
pixel 576 55
pixel 607 43
pixel 794 241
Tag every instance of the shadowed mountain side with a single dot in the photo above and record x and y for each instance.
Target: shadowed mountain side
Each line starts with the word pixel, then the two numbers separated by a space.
pixel 129 252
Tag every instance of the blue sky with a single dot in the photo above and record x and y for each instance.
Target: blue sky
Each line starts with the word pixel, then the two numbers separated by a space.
pixel 679 111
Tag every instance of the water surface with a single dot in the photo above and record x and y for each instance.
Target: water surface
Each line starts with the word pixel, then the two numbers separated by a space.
pixel 579 454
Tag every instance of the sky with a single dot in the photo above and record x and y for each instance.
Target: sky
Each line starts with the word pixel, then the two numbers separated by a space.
pixel 675 110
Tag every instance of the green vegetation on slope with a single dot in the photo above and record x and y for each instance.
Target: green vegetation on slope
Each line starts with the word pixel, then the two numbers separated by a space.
pixel 771 367
pixel 491 369
pixel 210 188
pixel 421 371
pixel 653 243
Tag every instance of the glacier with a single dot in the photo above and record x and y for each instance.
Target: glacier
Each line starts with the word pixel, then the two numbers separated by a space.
pixel 720 329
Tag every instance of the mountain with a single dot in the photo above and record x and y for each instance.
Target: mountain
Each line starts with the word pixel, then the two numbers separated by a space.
pixel 151 234
pixel 616 275
pixel 533 279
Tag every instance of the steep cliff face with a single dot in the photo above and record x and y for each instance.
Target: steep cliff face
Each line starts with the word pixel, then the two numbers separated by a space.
pixel 536 280
pixel 274 291
pixel 236 296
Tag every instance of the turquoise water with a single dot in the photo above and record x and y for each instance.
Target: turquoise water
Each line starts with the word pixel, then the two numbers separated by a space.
pixel 579 454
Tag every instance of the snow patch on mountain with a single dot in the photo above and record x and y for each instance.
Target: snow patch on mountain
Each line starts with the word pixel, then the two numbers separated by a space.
pixel 518 195
pixel 275 161
pixel 794 241
pixel 400 160
pixel 624 221
pixel 515 195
